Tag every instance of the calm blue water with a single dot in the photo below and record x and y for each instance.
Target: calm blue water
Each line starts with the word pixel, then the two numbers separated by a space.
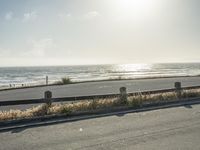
pixel 36 75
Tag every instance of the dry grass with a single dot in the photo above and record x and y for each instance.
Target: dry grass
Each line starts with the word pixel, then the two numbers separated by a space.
pixel 40 110
pixel 139 100
pixel 86 105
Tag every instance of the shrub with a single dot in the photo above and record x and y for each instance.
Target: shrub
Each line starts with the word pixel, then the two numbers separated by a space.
pixel 135 101
pixel 64 80
pixel 65 110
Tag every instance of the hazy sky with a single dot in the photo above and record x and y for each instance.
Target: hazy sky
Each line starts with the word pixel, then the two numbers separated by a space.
pixel 73 32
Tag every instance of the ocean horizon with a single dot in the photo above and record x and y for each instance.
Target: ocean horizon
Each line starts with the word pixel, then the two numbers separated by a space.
pixel 36 75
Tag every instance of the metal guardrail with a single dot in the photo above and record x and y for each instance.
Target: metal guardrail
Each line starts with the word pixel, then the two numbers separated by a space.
pixel 91 97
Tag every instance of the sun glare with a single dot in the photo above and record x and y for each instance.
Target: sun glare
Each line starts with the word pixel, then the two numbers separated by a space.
pixel 136 9
pixel 134 67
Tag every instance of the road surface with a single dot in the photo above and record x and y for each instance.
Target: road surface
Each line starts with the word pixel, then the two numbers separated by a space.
pixel 167 129
pixel 93 88
pixel 98 88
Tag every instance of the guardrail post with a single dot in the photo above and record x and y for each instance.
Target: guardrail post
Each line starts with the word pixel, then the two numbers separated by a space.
pixel 178 89
pixel 123 95
pixel 47 78
pixel 48 96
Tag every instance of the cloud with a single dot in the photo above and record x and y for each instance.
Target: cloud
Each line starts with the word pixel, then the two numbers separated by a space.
pixel 9 16
pixel 29 16
pixel 86 16
pixel 40 47
pixel 4 52
pixel 91 14
pixel 64 16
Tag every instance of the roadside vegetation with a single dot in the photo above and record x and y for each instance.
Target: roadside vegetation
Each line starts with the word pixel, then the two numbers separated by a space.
pixel 135 101
pixel 64 80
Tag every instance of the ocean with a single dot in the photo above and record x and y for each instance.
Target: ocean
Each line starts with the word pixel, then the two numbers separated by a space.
pixel 16 76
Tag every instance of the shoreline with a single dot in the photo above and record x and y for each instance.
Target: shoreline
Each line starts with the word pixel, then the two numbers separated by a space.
pixel 89 81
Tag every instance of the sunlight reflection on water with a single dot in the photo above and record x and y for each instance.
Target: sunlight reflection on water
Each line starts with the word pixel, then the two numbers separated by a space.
pixel 133 67
pixel 36 75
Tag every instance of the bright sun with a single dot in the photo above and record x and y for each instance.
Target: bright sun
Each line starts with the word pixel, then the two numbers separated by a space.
pixel 136 9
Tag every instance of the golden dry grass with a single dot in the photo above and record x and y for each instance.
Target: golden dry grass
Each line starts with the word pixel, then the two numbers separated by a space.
pixel 86 105
pixel 32 112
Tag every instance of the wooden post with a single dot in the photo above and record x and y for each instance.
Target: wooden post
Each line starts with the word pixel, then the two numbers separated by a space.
pixel 48 96
pixel 178 89
pixel 123 95
pixel 47 80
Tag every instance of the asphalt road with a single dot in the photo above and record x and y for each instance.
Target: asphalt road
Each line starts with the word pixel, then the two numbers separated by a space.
pixel 98 88
pixel 167 129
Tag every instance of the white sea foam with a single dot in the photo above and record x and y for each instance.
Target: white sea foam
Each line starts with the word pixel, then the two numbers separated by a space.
pixel 36 75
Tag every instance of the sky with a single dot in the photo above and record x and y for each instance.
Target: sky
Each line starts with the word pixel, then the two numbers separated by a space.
pixel 79 32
